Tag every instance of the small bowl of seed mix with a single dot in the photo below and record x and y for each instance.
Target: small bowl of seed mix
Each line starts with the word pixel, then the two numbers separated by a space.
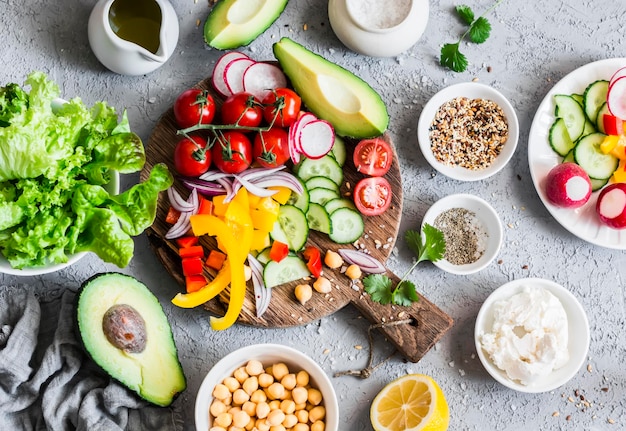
pixel 468 131
pixel 472 231
pixel 266 386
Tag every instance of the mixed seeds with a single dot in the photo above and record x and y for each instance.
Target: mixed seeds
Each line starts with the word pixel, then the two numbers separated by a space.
pixel 468 132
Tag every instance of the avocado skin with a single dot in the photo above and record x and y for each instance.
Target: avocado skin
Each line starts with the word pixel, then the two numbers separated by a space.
pixel 332 92
pixel 155 374
pixel 220 34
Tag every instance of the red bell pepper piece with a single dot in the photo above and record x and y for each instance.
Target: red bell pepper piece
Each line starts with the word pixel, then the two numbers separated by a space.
pixel 314 260
pixel 613 125
pixel 172 215
pixel 192 266
pixel 193 251
pixel 187 241
pixel 193 283
pixel 216 260
pixel 205 206
pixel 279 251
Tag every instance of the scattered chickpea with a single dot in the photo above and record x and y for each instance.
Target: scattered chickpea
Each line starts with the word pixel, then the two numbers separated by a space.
pixel 322 285
pixel 247 272
pixel 303 293
pixel 333 260
pixel 353 272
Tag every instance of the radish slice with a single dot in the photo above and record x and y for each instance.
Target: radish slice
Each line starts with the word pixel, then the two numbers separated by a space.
pixel 218 72
pixel 296 127
pixel 611 205
pixel 616 98
pixel 620 73
pixel 261 78
pixel 316 139
pixel 233 74
pixel 568 185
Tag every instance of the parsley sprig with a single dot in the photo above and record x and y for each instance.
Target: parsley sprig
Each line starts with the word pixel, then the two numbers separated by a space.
pixel 478 31
pixel 380 287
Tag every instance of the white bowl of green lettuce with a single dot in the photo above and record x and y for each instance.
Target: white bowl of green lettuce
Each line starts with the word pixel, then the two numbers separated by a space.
pixel 59 181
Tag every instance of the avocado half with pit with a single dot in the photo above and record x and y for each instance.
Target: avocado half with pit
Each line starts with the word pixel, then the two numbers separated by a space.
pixel 333 93
pixel 125 331
pixel 235 23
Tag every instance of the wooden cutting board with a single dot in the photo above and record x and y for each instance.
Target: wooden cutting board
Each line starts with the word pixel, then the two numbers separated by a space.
pixel 427 323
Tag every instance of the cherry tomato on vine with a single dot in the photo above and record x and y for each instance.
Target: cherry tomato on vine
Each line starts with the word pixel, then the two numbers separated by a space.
pixel 271 148
pixel 232 152
pixel 191 157
pixel 373 157
pixel 194 106
pixel 242 109
pixel 283 103
pixel 372 196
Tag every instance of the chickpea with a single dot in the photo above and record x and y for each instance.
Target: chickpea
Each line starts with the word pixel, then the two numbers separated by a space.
pixel 254 367
pixel 353 272
pixel 302 378
pixel 314 396
pixel 249 407
pixel 276 417
pixel 265 380
pixel 303 416
pixel 318 426
pixel 289 381
pixel 258 396
pixel 221 392
pixel 300 394
pixel 240 374
pixel 250 385
pixel 300 427
pixel 241 419
pixel 262 425
pixel 240 396
pixel 231 383
pixel 217 429
pixel 280 370
pixel 262 410
pixel 276 391
pixel 224 420
pixel 217 408
pixel 317 413
pixel 290 421
pixel 322 285
pixel 288 406
pixel 333 259
pixel 303 293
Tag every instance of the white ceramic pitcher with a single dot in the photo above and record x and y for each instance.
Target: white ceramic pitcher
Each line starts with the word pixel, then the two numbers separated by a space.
pixel 132 55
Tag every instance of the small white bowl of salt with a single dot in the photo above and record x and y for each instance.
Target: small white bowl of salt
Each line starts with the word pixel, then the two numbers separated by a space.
pixel 378 28
pixel 472 231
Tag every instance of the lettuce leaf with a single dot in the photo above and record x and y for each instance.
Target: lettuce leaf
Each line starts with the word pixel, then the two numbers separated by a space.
pixel 55 163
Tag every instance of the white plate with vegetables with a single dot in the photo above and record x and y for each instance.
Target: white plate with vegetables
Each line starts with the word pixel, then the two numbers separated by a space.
pixel 582 221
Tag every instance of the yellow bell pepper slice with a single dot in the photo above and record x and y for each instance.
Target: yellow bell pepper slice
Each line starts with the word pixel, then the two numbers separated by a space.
pixel 609 143
pixel 619 176
pixel 208 292
pixel 282 194
pixel 235 302
pixel 260 240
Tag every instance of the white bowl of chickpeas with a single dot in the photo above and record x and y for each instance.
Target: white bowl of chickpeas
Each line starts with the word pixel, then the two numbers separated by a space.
pixel 270 386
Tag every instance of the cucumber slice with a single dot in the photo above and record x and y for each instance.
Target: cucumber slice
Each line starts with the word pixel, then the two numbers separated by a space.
pixel 318 219
pixel 335 204
pixel 572 113
pixel 338 152
pixel 604 109
pixel 598 184
pixel 324 167
pixel 291 268
pixel 321 196
pixel 346 226
pixel 291 227
pixel 569 157
pixel 323 182
pixel 300 200
pixel 264 256
pixel 588 155
pixel 594 97
pixel 559 138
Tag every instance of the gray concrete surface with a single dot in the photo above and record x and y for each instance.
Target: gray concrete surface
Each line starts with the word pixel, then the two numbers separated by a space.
pixel 532 46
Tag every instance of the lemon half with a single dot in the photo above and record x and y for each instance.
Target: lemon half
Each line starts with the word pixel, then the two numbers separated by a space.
pixel 414 402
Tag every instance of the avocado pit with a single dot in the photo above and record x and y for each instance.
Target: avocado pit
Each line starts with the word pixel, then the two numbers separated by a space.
pixel 125 328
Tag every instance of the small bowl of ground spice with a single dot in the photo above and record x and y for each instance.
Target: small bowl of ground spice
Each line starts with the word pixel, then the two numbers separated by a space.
pixel 468 131
pixel 472 231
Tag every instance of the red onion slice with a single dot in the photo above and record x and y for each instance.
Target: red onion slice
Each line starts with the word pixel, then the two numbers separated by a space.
pixel 366 262
pixel 262 294
pixel 177 201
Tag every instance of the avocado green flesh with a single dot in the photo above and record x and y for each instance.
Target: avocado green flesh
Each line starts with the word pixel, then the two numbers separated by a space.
pixel 155 373
pixel 235 23
pixel 333 93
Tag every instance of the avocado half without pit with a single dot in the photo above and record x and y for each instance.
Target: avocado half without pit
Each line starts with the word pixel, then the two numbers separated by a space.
pixel 125 331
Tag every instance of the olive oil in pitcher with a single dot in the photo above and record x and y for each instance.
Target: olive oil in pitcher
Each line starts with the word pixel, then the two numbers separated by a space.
pixel 137 21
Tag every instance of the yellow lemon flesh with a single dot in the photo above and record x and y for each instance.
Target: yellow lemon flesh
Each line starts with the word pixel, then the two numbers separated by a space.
pixel 411 403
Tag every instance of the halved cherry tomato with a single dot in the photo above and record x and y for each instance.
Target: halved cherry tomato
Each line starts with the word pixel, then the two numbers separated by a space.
pixel 194 106
pixel 271 148
pixel 282 104
pixel 191 157
pixel 232 152
pixel 372 195
pixel 373 157
pixel 242 109
pixel 279 251
pixel 314 260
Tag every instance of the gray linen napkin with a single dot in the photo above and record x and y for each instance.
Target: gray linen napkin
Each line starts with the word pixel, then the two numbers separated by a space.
pixel 47 382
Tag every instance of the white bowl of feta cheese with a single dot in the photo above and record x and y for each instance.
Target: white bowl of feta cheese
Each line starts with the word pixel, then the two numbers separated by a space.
pixel 532 335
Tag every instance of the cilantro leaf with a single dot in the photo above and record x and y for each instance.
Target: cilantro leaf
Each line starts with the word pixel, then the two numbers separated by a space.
pixel 452 58
pixel 479 31
pixel 466 13
pixel 378 286
pixel 405 294
pixel 432 249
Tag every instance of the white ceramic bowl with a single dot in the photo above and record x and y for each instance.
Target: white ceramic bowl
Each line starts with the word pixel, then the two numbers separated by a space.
pixel 268 354
pixel 578 335
pixel 373 35
pixel 471 90
pixel 487 216
pixel 112 187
